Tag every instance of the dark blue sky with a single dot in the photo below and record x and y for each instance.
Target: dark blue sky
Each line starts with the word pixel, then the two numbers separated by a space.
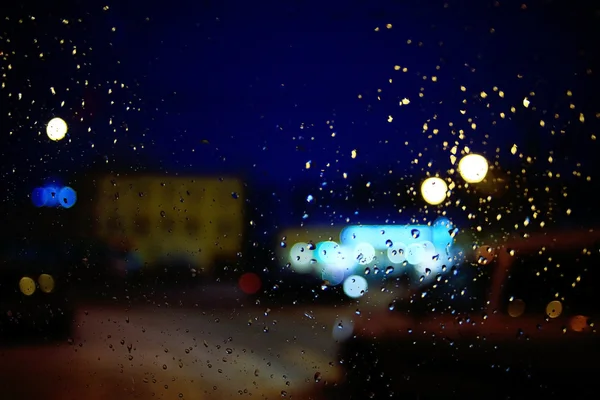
pixel 248 76
pixel 225 86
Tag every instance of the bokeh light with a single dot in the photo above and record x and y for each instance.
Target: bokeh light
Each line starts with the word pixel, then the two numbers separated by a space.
pixel 327 252
pixel 397 253
pixel 332 274
pixel 364 253
pixel 473 168
pixel 46 283
pixel 56 129
pixel 516 308
pixel 38 197
pixel 579 323
pixel 355 286
pixel 434 190
pixel 300 257
pixel 52 196
pixel 250 283
pixel 67 197
pixel 417 253
pixel 554 309
pixel 27 286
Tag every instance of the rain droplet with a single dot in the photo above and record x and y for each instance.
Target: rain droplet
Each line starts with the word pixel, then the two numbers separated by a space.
pixel 389 243
pixel 415 233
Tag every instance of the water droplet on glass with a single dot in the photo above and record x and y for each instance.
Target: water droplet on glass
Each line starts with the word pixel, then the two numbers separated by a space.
pixel 317 377
pixel 367 271
pixel 389 243
pixel 415 233
pixel 389 270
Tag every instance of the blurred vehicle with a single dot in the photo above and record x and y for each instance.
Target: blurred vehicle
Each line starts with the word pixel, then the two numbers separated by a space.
pixel 348 260
pixel 515 320
pixel 34 282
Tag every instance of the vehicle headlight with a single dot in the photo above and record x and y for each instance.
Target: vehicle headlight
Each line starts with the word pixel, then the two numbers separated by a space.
pixel 27 286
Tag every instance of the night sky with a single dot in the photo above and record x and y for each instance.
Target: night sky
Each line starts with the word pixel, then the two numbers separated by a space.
pixel 262 88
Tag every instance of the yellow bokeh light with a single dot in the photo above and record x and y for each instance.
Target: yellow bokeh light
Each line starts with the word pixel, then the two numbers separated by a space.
pixel 516 308
pixel 554 309
pixel 434 190
pixel 473 168
pixel 27 286
pixel 46 283
pixel 56 129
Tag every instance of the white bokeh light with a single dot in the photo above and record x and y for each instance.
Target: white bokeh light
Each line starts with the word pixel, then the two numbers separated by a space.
pixel 332 274
pixel 364 253
pixel 355 286
pixel 328 252
pixel 397 253
pixel 301 257
pixel 473 168
pixel 434 190
pixel 416 254
pixel 56 129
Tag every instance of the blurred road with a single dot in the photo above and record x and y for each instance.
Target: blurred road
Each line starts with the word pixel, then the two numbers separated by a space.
pixel 188 350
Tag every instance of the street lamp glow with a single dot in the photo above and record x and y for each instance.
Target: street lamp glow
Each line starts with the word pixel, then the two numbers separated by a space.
pixel 56 129
pixel 473 168
pixel 434 191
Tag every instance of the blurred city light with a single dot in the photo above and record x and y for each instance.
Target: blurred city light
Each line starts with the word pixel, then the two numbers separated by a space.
pixel 67 197
pixel 46 283
pixel 434 191
pixel 56 129
pixel 52 196
pixel 364 253
pixel 250 283
pixel 355 286
pixel 473 168
pixel 27 286
pixel 300 257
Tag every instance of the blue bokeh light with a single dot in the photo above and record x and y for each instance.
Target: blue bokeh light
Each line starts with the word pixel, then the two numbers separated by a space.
pixel 38 197
pixel 53 196
pixel 67 197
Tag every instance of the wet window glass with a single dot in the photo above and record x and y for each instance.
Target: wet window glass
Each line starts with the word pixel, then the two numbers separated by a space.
pixel 299 199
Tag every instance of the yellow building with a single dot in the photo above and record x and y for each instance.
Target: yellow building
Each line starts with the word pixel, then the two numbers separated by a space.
pixel 161 219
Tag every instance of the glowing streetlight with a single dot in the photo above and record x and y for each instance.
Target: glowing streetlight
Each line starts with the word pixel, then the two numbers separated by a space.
pixel 473 168
pixel 56 129
pixel 434 190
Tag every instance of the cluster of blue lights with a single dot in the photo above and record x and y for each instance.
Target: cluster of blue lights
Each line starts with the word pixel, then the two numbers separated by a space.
pixel 54 196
